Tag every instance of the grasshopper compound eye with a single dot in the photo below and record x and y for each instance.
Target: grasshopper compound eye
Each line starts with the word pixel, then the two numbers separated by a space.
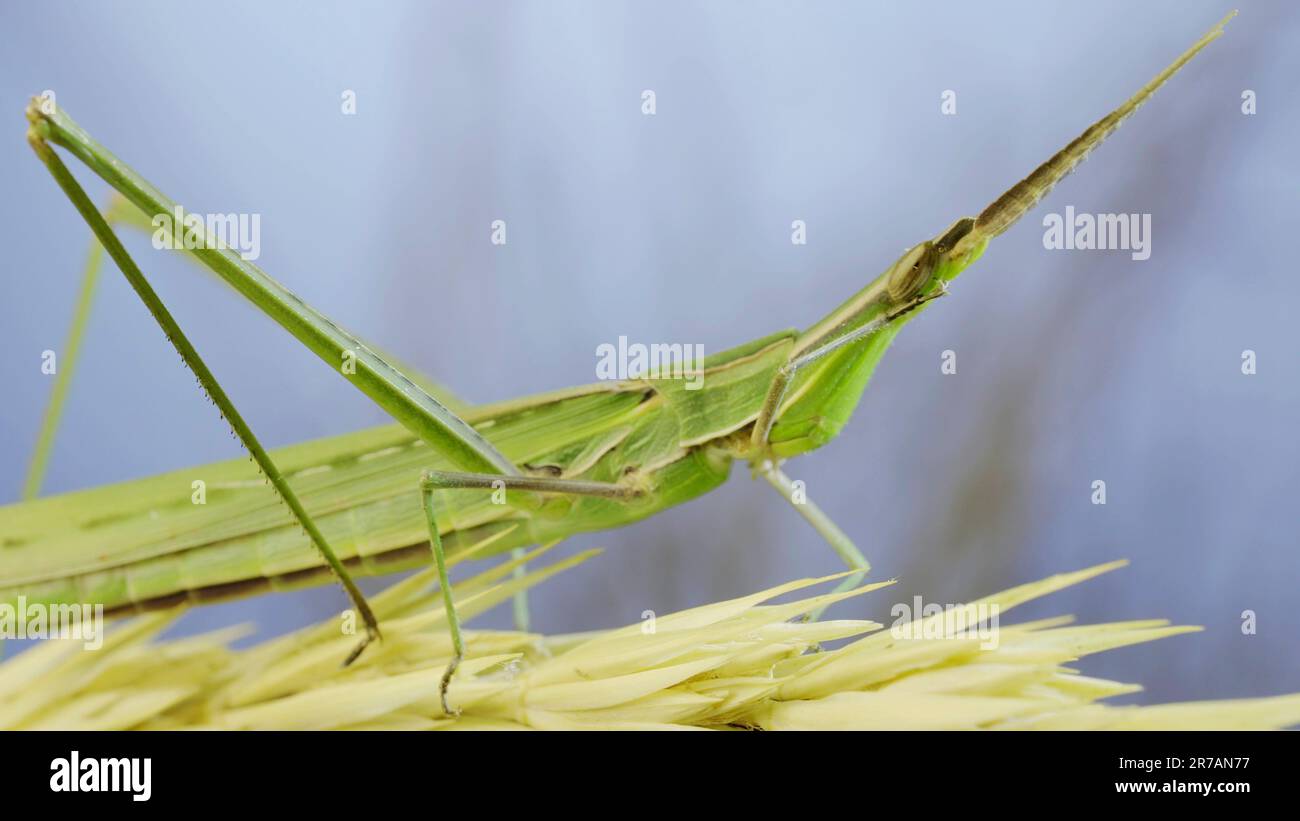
pixel 912 272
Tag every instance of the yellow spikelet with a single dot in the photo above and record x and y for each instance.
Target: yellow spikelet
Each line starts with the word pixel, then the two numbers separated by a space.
pixel 744 663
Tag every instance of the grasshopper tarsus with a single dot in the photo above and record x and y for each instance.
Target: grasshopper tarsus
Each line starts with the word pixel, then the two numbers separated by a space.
pixel 372 635
pixel 445 685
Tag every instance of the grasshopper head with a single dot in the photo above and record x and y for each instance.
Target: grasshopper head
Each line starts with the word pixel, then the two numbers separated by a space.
pixel 922 267
pixel 913 273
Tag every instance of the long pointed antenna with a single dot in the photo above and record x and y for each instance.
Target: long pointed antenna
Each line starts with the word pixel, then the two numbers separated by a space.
pixel 1024 195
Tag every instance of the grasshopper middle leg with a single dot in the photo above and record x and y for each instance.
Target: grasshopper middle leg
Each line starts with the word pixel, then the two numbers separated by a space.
pixel 432 480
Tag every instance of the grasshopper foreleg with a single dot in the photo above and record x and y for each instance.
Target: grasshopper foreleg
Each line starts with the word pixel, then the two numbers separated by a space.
pixel 815 516
pixel 768 468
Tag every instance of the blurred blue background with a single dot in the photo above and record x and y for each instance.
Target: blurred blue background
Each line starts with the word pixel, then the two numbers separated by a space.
pixel 1072 366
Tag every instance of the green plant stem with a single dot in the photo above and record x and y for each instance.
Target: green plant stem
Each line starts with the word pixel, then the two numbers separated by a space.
pixel 67 365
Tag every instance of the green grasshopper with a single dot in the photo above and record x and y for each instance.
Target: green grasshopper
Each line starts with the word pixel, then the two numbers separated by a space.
pixel 382 500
